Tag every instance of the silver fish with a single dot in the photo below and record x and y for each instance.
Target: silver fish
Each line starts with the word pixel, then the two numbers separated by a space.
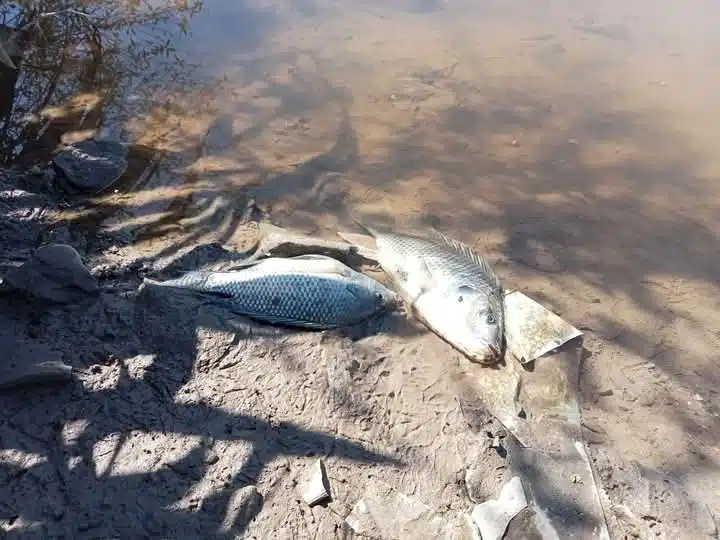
pixel 450 288
pixel 309 291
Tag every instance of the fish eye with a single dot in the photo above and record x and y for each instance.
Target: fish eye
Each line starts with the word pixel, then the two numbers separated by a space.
pixel 491 318
pixel 460 298
pixel 379 297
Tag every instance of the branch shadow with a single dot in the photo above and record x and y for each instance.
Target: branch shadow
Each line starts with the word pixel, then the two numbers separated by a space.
pixel 112 404
pixel 124 405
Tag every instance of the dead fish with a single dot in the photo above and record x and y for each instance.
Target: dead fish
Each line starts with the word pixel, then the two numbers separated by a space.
pixel 451 288
pixel 309 291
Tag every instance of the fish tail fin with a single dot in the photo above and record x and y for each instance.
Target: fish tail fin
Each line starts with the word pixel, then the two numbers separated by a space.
pixel 357 240
pixel 372 232
pixel 196 280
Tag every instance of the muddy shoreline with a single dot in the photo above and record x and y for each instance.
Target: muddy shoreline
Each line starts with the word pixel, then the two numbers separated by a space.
pixel 183 421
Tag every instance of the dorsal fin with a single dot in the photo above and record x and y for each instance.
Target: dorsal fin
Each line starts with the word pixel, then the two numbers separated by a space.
pixel 470 254
pixel 324 264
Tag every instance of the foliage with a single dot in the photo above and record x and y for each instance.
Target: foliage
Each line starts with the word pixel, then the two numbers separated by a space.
pixel 63 48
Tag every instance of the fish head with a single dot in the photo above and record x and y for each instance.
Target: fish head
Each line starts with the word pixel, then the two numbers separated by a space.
pixel 482 329
pixel 376 293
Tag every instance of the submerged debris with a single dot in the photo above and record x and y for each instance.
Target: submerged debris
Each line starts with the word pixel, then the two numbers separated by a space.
pixel 278 242
pixel 92 165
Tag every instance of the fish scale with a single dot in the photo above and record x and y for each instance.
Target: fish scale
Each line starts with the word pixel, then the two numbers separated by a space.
pixel 309 292
pixel 301 298
pixel 446 258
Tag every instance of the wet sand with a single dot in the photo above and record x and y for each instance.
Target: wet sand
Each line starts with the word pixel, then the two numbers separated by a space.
pixel 573 143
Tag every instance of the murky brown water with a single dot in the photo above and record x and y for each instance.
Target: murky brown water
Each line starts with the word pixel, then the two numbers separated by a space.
pixel 582 133
pixel 473 119
pixel 416 108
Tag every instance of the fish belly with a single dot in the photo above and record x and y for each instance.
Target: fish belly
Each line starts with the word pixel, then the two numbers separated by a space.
pixel 435 309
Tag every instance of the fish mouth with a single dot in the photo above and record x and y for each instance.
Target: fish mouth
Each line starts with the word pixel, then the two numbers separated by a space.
pixel 489 357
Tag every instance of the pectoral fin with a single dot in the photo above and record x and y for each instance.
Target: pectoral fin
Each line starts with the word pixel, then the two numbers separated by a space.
pixel 355 290
pixel 291 322
pixel 418 279
pixel 425 276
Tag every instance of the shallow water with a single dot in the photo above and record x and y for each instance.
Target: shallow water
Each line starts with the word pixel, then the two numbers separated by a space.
pixel 581 133
pixel 421 109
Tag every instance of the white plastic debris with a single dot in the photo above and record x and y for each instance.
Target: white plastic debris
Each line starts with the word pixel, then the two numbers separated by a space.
pixel 492 517
pixel 315 487
pixel 532 330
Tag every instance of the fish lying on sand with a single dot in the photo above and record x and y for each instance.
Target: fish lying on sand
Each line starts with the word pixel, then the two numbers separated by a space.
pixel 450 288
pixel 308 291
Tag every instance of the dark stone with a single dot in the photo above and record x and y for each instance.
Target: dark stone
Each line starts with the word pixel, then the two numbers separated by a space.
pixel 55 272
pixel 28 362
pixel 92 165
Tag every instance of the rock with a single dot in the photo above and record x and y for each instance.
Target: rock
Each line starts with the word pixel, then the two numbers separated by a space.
pixel 54 272
pixel 539 245
pixel 315 487
pixel 384 512
pixel 92 165
pixel 35 373
pixel 29 362
pixel 492 517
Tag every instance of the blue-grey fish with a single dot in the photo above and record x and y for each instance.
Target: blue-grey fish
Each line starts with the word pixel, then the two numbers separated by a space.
pixel 450 288
pixel 308 291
